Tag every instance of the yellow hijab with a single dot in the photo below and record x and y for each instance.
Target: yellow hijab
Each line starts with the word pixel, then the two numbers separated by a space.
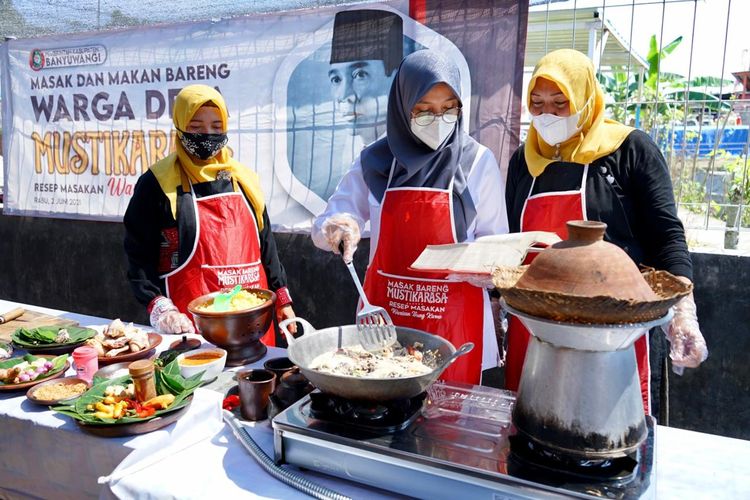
pixel 180 166
pixel 573 72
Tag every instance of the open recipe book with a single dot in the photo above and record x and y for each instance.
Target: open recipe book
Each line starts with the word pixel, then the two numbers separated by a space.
pixel 484 254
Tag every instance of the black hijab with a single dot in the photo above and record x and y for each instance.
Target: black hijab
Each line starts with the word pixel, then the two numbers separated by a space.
pixel 417 165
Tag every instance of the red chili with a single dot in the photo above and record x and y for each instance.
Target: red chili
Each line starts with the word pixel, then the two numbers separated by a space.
pixel 231 402
pixel 140 410
pixel 146 411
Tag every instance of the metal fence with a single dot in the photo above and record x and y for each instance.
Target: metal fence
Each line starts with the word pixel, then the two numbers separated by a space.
pixel 700 121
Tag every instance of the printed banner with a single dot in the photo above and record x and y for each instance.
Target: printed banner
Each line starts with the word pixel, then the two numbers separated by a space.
pixel 85 115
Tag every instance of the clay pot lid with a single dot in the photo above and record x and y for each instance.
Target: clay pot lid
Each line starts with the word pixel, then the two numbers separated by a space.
pixel 185 344
pixel 586 265
pixel 294 377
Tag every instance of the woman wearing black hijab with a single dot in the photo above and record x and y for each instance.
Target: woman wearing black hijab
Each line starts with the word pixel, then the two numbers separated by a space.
pixel 426 183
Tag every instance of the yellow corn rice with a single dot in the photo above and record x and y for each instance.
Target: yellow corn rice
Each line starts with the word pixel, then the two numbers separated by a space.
pixel 241 301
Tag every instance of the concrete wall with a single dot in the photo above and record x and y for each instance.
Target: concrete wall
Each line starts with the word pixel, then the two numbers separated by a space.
pixel 715 398
pixel 79 266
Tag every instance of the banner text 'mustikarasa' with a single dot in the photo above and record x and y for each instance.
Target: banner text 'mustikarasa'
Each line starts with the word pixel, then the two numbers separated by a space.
pixel 126 153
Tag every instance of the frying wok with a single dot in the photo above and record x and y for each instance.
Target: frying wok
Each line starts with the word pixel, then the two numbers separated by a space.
pixel 302 351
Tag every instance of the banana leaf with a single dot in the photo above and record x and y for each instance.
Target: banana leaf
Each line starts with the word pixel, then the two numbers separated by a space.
pixel 169 379
pixel 58 363
pixel 177 385
pixel 45 336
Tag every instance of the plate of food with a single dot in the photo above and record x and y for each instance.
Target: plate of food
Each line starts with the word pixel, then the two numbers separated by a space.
pixel 51 339
pixel 26 371
pixel 57 391
pixel 118 342
pixel 110 409
pixel 114 370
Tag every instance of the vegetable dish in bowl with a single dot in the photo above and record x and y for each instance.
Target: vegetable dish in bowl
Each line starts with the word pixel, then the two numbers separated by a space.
pixel 51 339
pixel 52 392
pixel 238 332
pixel 29 370
pixel 242 300
pixel 110 408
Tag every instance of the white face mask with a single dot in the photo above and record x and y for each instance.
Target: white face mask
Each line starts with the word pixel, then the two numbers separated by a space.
pixel 434 134
pixel 555 129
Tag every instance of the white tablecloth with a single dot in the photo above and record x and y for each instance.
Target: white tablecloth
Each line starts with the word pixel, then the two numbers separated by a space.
pixel 44 454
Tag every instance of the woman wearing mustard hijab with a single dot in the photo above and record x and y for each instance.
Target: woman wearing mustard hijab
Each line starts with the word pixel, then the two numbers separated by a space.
pixel 578 165
pixel 197 221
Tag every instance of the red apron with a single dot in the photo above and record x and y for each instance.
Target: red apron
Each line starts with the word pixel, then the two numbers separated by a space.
pixel 411 219
pixel 550 212
pixel 226 252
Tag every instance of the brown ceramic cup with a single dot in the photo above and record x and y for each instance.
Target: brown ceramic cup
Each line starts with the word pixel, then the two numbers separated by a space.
pixel 255 386
pixel 279 366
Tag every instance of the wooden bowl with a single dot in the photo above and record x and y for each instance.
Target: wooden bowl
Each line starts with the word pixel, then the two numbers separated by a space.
pixel 238 332
pixel 154 339
pixel 32 393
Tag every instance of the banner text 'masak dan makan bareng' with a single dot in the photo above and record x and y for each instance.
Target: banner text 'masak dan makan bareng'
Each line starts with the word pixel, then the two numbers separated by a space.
pixel 85 115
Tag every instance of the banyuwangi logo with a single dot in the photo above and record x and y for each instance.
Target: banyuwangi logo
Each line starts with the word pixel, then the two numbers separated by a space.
pixel 36 59
pixel 64 58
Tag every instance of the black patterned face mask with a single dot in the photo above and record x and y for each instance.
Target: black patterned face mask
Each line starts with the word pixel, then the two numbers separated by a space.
pixel 203 146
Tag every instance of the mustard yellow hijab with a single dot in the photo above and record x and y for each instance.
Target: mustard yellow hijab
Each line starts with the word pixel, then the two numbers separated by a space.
pixel 180 166
pixel 573 72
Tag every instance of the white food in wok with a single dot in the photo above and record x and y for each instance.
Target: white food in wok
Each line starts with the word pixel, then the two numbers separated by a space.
pixel 355 361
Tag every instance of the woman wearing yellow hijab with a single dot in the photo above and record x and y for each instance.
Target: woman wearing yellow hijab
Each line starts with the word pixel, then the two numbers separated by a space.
pixel 197 221
pixel 577 164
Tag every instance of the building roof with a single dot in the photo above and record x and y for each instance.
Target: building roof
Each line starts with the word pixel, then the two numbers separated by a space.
pixel 552 28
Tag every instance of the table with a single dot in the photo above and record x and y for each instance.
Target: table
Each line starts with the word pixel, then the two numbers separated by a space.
pixel 688 464
pixel 45 455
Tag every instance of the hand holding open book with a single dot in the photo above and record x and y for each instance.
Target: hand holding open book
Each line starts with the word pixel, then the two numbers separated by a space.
pixel 473 262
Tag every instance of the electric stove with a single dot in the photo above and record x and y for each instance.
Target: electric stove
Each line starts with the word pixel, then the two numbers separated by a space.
pixel 453 441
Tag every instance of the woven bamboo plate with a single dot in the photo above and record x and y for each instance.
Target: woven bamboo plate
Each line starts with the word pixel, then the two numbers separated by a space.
pixel 591 310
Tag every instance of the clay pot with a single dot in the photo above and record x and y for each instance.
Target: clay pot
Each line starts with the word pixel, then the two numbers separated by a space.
pixel 586 265
pixel 292 387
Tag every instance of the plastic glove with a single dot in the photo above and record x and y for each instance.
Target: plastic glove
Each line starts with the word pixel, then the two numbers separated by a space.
pixel 687 346
pixel 342 228
pixel 167 319
pixel 476 279
pixel 286 312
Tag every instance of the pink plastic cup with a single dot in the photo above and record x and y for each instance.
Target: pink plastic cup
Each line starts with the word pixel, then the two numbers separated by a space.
pixel 86 362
